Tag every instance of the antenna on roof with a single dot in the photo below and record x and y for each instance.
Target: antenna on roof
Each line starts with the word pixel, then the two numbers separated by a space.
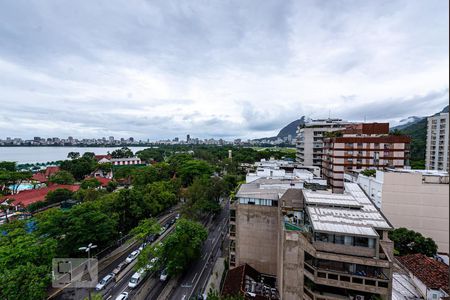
pixel 365 119
pixel 329 114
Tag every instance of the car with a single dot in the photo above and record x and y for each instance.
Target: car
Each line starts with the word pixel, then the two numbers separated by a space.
pixel 163 229
pixel 164 275
pixel 137 278
pixel 104 282
pixel 122 296
pixel 132 256
pixel 172 221
pixel 177 216
pixel 151 238
pixel 119 268
pixel 142 246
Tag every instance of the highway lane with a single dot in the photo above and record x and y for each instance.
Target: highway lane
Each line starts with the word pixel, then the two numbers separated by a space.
pixel 122 284
pixel 81 294
pixel 196 277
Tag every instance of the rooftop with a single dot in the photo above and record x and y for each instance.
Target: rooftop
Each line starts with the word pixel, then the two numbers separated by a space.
pixel 432 273
pixel 28 197
pixel 349 213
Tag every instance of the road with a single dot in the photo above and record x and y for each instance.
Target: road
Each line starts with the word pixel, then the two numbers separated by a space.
pixel 114 288
pixel 194 281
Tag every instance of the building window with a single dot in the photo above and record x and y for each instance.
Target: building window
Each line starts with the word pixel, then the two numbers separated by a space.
pixel 362 242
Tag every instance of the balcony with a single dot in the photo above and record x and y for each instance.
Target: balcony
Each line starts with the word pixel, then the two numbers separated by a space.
pixel 370 283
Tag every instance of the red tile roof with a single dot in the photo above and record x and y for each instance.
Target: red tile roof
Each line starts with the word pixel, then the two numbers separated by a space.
pixel 51 170
pixel 432 273
pixel 28 197
pixel 39 177
pixel 103 181
pixel 99 157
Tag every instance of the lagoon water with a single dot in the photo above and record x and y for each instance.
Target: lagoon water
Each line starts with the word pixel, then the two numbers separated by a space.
pixel 23 155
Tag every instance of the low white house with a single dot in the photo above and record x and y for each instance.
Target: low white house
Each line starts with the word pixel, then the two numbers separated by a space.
pixel 121 161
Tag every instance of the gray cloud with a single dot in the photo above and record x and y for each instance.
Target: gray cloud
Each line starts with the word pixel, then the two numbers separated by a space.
pixel 158 69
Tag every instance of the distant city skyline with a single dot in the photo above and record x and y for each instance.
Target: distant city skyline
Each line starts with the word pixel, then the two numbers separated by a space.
pixel 234 69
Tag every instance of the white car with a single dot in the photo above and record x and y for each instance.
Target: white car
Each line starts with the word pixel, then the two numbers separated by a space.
pixel 136 278
pixel 132 256
pixel 104 282
pixel 122 296
pixel 164 275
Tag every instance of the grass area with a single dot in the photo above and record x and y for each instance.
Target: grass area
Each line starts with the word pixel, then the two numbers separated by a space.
pixel 281 149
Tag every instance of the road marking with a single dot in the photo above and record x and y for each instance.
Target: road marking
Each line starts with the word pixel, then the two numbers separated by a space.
pixel 194 277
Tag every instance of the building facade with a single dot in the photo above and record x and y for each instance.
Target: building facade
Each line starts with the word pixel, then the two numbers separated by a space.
pixel 309 141
pixel 334 246
pixel 318 244
pixel 362 146
pixel 414 199
pixel 437 152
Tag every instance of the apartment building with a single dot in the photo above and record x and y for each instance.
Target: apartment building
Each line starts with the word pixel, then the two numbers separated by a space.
pixel 319 245
pixel 334 246
pixel 414 199
pixel 362 146
pixel 310 139
pixel 437 152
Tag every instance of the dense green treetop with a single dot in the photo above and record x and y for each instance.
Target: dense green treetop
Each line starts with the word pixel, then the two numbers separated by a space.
pixel 410 242
pixel 62 177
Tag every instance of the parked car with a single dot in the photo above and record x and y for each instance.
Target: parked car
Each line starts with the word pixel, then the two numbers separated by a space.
pixel 177 216
pixel 104 282
pixel 119 268
pixel 163 229
pixel 164 275
pixel 122 296
pixel 132 256
pixel 151 238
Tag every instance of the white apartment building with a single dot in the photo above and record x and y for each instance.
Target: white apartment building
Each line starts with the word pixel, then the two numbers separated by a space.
pixel 437 154
pixel 310 139
pixel 414 199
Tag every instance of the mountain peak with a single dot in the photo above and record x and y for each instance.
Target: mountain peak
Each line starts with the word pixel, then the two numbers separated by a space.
pixel 291 128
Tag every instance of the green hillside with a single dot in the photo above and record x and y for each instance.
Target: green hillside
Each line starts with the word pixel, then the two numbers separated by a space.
pixel 418 133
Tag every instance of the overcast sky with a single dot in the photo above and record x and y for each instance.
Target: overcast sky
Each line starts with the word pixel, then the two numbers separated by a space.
pixel 160 69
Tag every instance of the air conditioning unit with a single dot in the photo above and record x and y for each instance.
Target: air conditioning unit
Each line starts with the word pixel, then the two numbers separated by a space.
pixel 359 297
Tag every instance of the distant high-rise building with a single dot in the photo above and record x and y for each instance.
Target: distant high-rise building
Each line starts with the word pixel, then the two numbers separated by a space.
pixel 188 138
pixel 111 139
pixel 437 153
pixel 310 139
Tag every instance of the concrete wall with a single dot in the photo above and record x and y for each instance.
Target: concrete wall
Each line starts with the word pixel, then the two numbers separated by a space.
pixel 257 236
pixel 422 207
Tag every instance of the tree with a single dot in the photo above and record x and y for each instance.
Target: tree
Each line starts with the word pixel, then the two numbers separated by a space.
pixel 183 246
pixel 62 177
pixel 191 169
pixel 146 228
pixel 214 295
pixel 90 183
pixel 89 155
pixel 369 172
pixel 123 152
pixel 151 154
pixel 112 185
pixel 203 196
pixel 410 242
pixel 79 167
pixel 12 178
pixel 82 224
pixel 25 262
pixel 73 155
pixel 58 196
pixel 8 165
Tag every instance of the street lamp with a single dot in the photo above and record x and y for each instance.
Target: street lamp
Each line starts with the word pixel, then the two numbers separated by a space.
pixel 88 250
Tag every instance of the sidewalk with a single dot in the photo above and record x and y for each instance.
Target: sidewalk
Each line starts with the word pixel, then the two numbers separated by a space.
pixel 216 276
